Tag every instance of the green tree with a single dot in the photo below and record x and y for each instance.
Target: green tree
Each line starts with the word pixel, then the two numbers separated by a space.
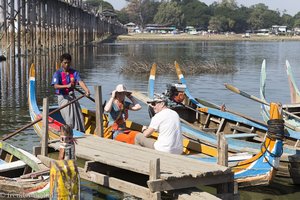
pixel 169 13
pixel 218 23
pixel 262 17
pixel 123 16
pixel 195 13
pixel 296 20
pixel 142 11
pixel 224 15
pixel 97 6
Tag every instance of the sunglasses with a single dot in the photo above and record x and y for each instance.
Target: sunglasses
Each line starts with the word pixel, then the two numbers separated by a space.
pixel 155 103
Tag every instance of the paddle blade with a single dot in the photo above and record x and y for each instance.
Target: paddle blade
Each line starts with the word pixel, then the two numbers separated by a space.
pixel 32 70
pixel 275 111
pixel 179 73
pixel 151 81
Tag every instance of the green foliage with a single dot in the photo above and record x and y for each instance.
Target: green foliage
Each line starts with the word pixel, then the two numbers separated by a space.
pixel 262 17
pixel 195 13
pixel 220 16
pixel 98 5
pixel 169 13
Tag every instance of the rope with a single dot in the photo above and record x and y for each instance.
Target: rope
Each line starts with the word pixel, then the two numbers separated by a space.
pixel 276 129
pixel 275 132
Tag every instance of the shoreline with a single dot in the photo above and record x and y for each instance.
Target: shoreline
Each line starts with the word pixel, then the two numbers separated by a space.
pixel 211 37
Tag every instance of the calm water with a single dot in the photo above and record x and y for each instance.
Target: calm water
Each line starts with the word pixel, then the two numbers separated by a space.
pixel 101 65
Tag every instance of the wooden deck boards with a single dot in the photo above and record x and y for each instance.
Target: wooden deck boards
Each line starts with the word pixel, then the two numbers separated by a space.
pixel 137 158
pixel 175 171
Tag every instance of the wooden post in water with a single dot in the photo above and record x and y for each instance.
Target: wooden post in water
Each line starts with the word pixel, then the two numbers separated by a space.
pixel 222 149
pixel 44 150
pixel 154 174
pixel 99 111
pixel 67 146
pixel 64 180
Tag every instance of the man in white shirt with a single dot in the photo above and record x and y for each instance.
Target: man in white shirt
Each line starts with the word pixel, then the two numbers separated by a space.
pixel 166 122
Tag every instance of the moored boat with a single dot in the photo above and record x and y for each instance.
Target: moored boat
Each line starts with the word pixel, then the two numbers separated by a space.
pixel 291 111
pixel 22 175
pixel 225 118
pixel 254 167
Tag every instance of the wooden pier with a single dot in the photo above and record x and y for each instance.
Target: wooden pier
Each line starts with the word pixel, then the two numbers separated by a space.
pixel 145 173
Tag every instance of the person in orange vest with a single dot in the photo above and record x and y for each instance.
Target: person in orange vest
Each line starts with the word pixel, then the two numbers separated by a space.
pixel 117 108
pixel 64 80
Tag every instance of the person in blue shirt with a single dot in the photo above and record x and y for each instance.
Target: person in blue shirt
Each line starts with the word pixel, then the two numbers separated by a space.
pixel 64 80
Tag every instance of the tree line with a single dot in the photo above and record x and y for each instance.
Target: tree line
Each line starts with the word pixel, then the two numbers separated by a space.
pixel 223 16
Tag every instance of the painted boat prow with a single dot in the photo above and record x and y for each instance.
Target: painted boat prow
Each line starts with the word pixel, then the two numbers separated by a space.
pixel 35 113
pixel 294 91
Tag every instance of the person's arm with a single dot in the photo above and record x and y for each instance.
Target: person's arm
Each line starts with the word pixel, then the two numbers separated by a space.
pixel 108 105
pixel 135 105
pixel 84 87
pixel 147 132
pixel 57 86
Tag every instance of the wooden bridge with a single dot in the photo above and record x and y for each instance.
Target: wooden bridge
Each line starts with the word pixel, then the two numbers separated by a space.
pixel 145 173
pixel 31 27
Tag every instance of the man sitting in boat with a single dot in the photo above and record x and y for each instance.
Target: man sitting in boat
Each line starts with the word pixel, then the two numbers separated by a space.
pixel 178 102
pixel 117 108
pixel 176 94
pixel 166 122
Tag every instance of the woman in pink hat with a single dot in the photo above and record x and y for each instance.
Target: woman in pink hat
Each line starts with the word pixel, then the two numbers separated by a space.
pixel 117 108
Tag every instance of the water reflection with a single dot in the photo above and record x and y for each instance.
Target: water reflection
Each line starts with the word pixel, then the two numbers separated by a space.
pixel 100 65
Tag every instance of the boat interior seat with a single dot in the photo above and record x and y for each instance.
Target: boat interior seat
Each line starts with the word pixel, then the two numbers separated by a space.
pixel 19 164
pixel 186 113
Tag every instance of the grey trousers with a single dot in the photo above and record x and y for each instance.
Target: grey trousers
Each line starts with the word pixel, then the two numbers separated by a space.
pixel 143 141
pixel 71 114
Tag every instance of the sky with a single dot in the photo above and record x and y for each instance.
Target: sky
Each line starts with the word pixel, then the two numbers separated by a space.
pixel 291 6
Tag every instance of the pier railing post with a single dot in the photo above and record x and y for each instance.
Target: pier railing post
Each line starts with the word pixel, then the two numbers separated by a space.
pixel 44 150
pixel 99 111
pixel 222 150
pixel 154 173
pixel 67 146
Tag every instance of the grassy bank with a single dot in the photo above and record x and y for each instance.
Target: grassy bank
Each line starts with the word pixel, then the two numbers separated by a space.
pixel 212 37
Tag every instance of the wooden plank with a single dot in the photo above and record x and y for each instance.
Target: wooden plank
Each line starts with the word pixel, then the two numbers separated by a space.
pixel 99 111
pixel 44 142
pixel 241 135
pixel 241 129
pixel 194 194
pixel 154 174
pixel 134 162
pixel 187 182
pixel 12 166
pixel 114 183
pixel 140 153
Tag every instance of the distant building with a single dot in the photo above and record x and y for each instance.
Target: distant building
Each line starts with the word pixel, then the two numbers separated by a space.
pixel 262 32
pixel 130 27
pixel 297 31
pixel 279 30
pixel 158 28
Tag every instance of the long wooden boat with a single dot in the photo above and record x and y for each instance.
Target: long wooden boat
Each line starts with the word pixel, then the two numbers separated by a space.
pixel 17 167
pixel 214 120
pixel 252 171
pixel 292 122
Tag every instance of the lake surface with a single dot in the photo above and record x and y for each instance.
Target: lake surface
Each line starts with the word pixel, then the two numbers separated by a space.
pixel 101 64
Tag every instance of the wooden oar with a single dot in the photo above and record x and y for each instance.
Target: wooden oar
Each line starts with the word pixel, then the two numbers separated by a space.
pixel 40 119
pixel 90 98
pixel 236 90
